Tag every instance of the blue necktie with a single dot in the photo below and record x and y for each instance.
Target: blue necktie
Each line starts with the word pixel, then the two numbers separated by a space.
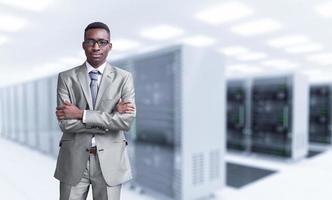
pixel 94 85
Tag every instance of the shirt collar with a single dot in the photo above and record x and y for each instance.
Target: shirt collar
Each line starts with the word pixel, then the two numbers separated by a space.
pixel 101 68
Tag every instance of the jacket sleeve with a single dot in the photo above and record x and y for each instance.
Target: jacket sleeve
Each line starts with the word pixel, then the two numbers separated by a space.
pixel 71 125
pixel 114 121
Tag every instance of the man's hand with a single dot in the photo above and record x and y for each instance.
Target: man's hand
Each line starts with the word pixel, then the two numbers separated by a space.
pixel 124 107
pixel 68 111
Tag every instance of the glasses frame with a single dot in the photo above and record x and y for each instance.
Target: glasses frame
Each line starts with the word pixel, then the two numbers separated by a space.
pixel 99 42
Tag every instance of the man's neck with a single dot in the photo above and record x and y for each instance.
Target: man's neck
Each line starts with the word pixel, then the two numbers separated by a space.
pixel 96 65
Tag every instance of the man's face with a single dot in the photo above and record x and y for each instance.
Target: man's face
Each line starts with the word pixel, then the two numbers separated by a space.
pixel 96 46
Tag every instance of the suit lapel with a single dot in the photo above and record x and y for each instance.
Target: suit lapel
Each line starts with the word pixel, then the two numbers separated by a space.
pixel 106 81
pixel 83 79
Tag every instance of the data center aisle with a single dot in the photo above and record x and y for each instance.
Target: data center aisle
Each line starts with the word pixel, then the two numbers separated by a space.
pixel 307 179
pixel 26 174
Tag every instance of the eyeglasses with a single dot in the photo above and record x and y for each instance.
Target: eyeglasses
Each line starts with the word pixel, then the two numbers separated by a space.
pixel 92 42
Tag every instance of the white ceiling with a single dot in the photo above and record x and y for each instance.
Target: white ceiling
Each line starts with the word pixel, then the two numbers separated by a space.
pixel 49 38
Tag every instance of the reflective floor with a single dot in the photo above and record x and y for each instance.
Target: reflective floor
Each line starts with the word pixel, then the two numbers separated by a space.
pixel 28 175
pixel 241 175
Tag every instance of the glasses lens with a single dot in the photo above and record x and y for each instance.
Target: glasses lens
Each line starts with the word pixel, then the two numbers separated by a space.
pixel 102 43
pixel 89 42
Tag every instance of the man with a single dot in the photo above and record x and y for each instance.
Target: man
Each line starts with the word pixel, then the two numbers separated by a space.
pixel 95 106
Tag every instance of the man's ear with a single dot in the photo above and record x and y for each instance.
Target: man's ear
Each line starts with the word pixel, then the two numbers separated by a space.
pixel 111 45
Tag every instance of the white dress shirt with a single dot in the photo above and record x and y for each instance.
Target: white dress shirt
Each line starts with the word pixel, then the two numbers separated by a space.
pixel 89 68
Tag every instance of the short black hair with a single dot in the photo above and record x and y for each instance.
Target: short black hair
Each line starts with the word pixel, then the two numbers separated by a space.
pixel 100 25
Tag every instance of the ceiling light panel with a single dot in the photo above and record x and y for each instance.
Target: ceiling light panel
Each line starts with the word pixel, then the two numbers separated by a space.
pixel 10 23
pixel 250 56
pixel 280 64
pixel 233 50
pixel 288 40
pixel 243 69
pixel 324 9
pixel 305 48
pixel 224 12
pixel 31 5
pixel 161 32
pixel 256 27
pixel 199 41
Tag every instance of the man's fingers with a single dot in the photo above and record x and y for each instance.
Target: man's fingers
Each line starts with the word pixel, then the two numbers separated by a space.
pixel 61 117
pixel 129 106
pixel 67 103
pixel 123 102
pixel 59 112
pixel 60 107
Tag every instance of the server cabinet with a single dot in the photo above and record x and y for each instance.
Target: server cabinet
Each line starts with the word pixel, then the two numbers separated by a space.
pixel 20 119
pixel 237 111
pixel 180 123
pixel 279 116
pixel 31 114
pixel 320 114
pixel 2 114
pixel 55 132
pixel 44 112
pixel 12 134
pixel 156 123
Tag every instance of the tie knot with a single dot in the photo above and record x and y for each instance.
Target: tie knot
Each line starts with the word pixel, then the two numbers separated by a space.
pixel 94 75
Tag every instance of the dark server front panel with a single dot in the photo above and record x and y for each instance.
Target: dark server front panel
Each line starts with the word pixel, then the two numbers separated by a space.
pixel 155 124
pixel 271 117
pixel 236 116
pixel 320 114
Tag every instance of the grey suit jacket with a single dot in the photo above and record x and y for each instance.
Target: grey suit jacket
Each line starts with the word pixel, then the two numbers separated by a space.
pixel 107 125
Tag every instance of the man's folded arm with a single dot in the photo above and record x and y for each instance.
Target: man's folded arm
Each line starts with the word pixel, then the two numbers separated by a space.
pixel 71 125
pixel 114 121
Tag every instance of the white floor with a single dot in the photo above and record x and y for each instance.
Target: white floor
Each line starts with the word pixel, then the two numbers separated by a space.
pixel 28 175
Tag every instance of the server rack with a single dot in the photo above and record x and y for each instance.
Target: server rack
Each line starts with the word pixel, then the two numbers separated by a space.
pixel 31 105
pixel 320 120
pixel 4 116
pixel 20 120
pixel 43 115
pixel 279 116
pixel 237 110
pixel 179 142
pixel 11 113
pixel 2 112
pixel 54 130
